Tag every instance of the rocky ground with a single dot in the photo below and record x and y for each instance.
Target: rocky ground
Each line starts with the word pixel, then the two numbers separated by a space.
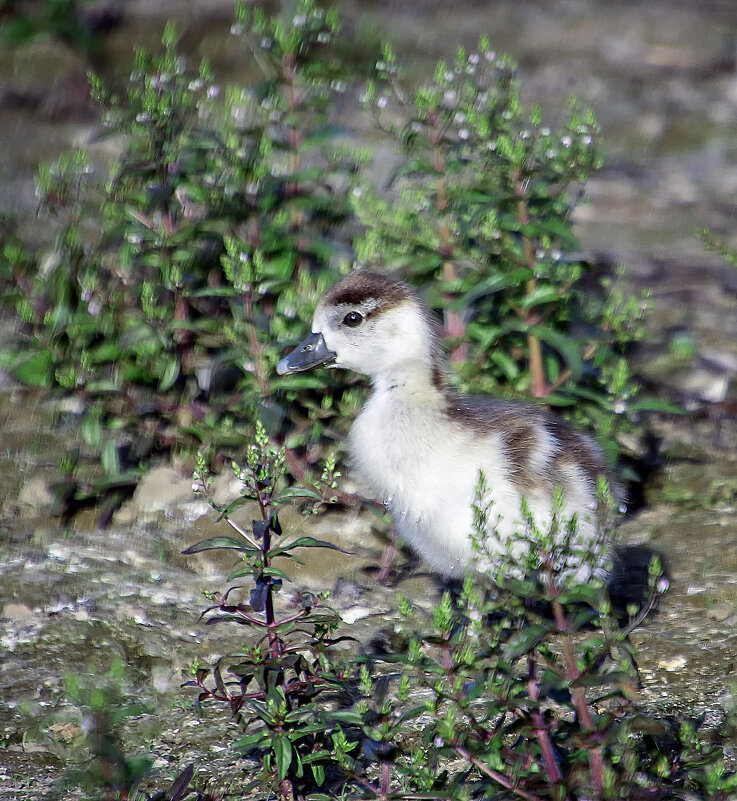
pixel 661 76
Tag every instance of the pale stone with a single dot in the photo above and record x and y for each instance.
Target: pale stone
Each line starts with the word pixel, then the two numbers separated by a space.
pixel 36 494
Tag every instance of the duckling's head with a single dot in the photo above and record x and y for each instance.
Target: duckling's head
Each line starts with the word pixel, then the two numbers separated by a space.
pixel 369 322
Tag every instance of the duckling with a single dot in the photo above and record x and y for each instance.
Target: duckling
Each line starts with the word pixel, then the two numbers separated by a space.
pixel 419 447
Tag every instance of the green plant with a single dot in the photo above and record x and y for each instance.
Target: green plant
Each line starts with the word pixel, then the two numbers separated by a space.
pixel 716 245
pixel 523 686
pixel 480 216
pixel 293 246
pixel 169 288
pixel 60 18
pixel 103 762
pixel 172 288
pixel 282 681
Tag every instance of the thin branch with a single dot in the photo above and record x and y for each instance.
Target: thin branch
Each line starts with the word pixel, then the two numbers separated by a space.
pixel 241 531
pixel 541 730
pixel 537 369
pixel 596 756
pixel 497 777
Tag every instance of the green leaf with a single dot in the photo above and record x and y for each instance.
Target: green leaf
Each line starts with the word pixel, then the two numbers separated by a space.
pixel 314 756
pixel 305 542
pixel 654 405
pixel 588 394
pixel 170 374
pixel 251 741
pixel 214 543
pixel 412 166
pixel 298 492
pixel 506 364
pixel 201 327
pixel 110 458
pixel 524 641
pixel 194 192
pixel 282 266
pixel 346 716
pixel 214 292
pixel 320 136
pixel 562 231
pixel 540 295
pixel 137 333
pixel 421 263
pixel 566 346
pixel 239 572
pixel 556 399
pixel 493 758
pixel 34 370
pixel 298 382
pixel 413 712
pixel 283 754
pixel 92 431
pixel 580 594
pixel 275 572
pixel 102 387
pixel 493 284
pixel 318 773
pixel 107 352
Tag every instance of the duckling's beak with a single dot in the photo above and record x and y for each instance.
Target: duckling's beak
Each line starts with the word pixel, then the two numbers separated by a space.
pixel 311 352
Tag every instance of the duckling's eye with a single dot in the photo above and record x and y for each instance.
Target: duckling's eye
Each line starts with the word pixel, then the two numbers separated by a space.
pixel 353 319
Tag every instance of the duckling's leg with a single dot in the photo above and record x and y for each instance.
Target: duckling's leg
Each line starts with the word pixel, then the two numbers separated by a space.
pixel 387 561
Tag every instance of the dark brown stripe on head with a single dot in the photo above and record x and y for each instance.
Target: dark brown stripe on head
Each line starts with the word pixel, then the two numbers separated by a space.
pixel 363 285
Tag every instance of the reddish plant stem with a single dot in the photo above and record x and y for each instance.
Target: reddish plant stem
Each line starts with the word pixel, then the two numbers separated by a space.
pixel 255 346
pixel 447 656
pixel 265 507
pixel 453 321
pixel 596 756
pixel 541 731
pixel 537 370
pixel 387 560
pixel 386 773
pixel 286 790
pixel 264 624
pixel 497 777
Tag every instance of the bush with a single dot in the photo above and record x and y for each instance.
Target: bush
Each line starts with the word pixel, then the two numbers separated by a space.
pixel 523 686
pixel 170 286
pixel 174 286
pixel 482 217
pixel 64 19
